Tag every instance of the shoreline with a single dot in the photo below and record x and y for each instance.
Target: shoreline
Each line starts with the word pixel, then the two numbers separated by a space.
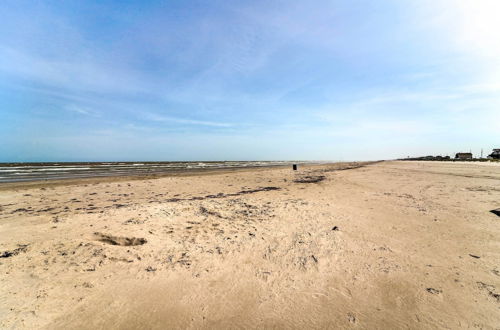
pixel 44 183
pixel 30 172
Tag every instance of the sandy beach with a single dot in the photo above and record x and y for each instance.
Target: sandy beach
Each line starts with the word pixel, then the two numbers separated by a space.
pixel 370 246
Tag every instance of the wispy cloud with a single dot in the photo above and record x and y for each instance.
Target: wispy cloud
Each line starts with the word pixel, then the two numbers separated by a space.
pixel 162 118
pixel 82 110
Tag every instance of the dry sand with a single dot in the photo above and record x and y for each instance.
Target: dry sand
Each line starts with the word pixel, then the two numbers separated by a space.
pixel 388 245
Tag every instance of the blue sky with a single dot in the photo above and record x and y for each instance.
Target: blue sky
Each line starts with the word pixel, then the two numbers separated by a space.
pixel 245 80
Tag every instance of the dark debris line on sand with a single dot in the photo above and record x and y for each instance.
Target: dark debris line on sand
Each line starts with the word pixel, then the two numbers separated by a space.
pixel 15 252
pixel 221 195
pixel 316 178
pixel 490 289
pixel 118 240
pixel 350 166
pixel 310 179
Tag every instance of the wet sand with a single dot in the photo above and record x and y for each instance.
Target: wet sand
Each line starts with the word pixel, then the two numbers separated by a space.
pixel 386 245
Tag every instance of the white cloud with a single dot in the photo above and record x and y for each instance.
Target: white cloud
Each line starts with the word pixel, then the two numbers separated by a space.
pixel 81 110
pixel 162 118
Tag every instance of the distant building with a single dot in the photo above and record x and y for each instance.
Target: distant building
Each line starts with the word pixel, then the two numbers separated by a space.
pixel 428 158
pixel 495 154
pixel 463 155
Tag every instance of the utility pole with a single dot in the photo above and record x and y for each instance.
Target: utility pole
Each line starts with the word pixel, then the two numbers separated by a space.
pixel 481 152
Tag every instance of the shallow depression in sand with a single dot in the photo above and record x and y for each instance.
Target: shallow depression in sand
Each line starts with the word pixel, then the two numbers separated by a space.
pixel 118 240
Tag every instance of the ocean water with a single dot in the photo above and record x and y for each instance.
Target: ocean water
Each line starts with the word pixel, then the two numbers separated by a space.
pixel 16 172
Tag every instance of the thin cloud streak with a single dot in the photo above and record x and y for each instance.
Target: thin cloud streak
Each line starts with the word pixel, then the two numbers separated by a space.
pixel 162 118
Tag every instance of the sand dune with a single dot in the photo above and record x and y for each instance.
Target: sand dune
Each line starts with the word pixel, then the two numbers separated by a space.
pixel 386 245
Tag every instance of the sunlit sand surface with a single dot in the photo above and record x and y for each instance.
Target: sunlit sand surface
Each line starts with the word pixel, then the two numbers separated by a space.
pixel 386 245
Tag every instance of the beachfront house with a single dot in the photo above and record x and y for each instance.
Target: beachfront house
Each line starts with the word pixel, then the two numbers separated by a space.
pixel 463 155
pixel 495 154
